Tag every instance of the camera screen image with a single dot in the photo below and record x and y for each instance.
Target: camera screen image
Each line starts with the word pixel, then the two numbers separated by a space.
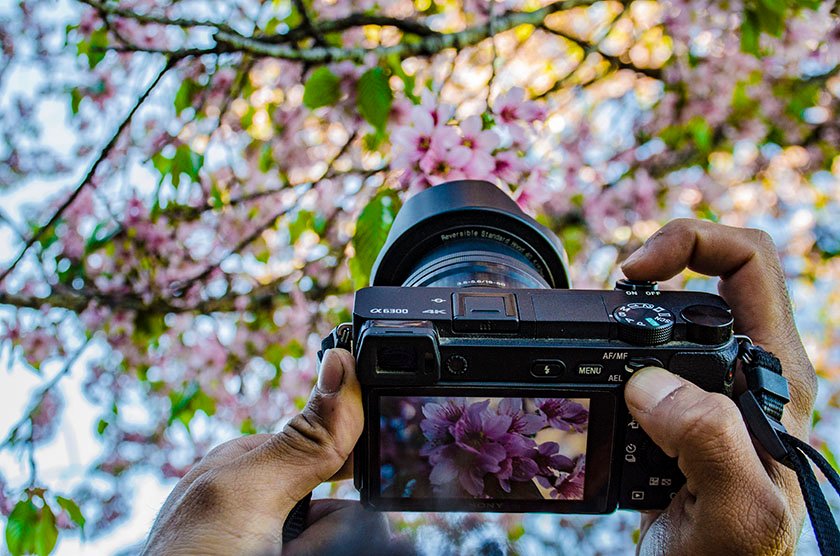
pixel 483 448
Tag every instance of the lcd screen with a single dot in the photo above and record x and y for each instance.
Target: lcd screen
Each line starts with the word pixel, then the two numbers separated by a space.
pixel 517 448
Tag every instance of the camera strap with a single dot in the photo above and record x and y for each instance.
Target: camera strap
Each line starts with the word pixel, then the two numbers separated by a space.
pixel 339 337
pixel 762 405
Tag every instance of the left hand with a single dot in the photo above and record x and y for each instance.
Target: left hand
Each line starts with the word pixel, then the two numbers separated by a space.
pixel 236 499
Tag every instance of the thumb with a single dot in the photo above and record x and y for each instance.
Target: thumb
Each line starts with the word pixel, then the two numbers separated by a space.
pixel 704 431
pixel 316 443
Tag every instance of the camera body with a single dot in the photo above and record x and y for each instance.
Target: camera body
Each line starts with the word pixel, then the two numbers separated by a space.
pixel 489 385
pixel 419 348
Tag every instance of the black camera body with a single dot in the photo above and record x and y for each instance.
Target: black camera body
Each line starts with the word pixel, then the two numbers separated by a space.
pixel 432 343
pixel 488 385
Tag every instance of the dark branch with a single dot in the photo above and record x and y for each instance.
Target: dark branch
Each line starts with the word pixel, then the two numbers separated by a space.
pixel 427 46
pixel 409 26
pixel 116 10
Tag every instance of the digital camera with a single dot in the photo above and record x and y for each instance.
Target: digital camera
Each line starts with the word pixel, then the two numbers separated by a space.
pixel 489 385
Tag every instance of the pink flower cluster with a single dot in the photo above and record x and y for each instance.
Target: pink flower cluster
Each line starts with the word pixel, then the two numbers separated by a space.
pixel 431 146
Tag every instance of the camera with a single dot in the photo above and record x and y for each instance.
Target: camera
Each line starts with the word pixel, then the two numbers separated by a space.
pixel 489 385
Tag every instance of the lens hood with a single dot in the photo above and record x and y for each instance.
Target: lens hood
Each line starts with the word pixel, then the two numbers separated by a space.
pixel 474 211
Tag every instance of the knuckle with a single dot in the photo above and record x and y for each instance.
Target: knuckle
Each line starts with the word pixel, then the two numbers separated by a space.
pixel 683 228
pixel 763 241
pixel 306 433
pixel 711 425
pixel 206 491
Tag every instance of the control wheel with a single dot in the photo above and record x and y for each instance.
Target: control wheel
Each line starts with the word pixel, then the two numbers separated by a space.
pixel 644 324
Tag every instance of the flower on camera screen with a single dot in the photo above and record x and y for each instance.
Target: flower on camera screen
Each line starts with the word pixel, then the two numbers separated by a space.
pixel 514 448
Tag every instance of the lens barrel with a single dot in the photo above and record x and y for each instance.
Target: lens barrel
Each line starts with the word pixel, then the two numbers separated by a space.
pixel 469 233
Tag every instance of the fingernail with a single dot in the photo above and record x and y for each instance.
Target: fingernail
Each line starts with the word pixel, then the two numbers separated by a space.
pixel 650 386
pixel 331 373
pixel 634 257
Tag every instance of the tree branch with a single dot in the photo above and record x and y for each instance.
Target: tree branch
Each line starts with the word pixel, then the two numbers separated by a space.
pixel 588 48
pixel 180 287
pixel 307 25
pixel 429 45
pixel 409 26
pixel 116 10
pixel 89 176
pixel 78 300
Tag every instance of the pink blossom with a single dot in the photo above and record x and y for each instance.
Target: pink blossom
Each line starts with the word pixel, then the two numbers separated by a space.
pixel 38 345
pixel 508 166
pixel 481 144
pixel 45 417
pixel 412 144
pixel 446 164
pixel 6 505
pixel 512 106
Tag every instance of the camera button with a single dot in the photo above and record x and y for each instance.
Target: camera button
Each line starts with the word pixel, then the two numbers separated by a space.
pixel 638 363
pixel 590 369
pixel 547 368
pixel 456 365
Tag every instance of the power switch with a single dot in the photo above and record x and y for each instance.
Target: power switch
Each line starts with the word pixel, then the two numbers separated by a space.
pixel 485 312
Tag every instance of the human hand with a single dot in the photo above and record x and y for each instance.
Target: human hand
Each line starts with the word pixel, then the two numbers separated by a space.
pixel 236 499
pixel 736 499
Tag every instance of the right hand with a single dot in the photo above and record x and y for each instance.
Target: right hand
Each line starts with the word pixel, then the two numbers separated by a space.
pixel 736 499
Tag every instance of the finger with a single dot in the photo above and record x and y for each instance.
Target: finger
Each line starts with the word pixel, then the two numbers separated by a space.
pixel 220 455
pixel 314 445
pixel 752 283
pixel 726 481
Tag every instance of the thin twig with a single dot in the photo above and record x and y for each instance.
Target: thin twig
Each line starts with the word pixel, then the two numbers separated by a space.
pixel 307 24
pixel 179 288
pixel 89 176
pixel 38 398
pixel 490 30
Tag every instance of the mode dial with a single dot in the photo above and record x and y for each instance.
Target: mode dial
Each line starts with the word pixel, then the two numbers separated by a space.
pixel 644 324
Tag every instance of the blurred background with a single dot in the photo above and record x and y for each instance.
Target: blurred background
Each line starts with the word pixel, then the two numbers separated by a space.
pixel 190 192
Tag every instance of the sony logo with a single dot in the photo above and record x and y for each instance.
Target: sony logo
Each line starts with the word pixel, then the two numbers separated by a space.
pixel 615 355
pixel 479 505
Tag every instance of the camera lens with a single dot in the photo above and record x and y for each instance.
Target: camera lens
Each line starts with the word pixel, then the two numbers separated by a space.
pixel 469 234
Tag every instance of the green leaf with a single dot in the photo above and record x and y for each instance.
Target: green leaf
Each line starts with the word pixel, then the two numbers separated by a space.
pixel 186 403
pixel 829 455
pixel 101 426
pixel 409 81
pixel 186 161
pixel 774 6
pixel 373 141
pixel 321 89
pixel 266 160
pixel 372 228
pixel 46 533
pixel 374 97
pixel 771 21
pixel 94 47
pixel 20 528
pixel 184 96
pixel 750 32
pixel 247 426
pixel 701 131
pixel 72 510
pixel 76 97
